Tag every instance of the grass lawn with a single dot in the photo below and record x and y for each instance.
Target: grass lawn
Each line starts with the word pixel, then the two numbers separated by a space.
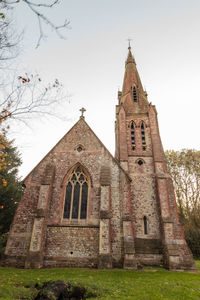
pixel 150 283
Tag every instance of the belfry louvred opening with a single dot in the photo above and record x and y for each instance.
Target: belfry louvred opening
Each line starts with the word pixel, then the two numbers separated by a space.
pixel 82 207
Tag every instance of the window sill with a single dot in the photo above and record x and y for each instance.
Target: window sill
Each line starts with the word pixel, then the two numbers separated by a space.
pixel 77 223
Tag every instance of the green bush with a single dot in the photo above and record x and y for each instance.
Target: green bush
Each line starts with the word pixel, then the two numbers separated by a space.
pixel 192 236
pixel 3 241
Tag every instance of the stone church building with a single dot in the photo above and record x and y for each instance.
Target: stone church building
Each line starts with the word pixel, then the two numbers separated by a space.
pixel 82 207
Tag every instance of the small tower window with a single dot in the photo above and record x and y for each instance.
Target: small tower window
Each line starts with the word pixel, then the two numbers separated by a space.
pixel 143 136
pixel 134 94
pixel 145 224
pixel 140 162
pixel 132 136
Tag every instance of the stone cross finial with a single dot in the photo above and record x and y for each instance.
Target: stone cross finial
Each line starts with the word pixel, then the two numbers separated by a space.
pixel 82 112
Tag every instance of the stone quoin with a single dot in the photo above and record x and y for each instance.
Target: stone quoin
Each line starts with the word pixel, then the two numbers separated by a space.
pixel 82 207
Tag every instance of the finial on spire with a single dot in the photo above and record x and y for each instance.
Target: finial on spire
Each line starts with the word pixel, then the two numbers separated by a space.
pixel 82 112
pixel 129 43
pixel 130 58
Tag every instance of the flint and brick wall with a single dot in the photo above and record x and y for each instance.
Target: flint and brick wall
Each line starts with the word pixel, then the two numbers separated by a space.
pixel 76 242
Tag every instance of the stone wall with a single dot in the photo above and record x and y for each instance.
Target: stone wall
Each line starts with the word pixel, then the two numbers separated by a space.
pixel 61 241
pixel 73 246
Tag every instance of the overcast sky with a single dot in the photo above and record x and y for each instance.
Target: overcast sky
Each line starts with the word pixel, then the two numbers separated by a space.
pixel 90 64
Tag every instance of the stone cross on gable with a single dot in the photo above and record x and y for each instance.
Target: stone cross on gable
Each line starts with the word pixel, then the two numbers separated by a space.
pixel 82 112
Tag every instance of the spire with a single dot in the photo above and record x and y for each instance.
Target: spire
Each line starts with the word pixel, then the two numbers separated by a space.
pixel 131 76
pixel 133 97
pixel 130 58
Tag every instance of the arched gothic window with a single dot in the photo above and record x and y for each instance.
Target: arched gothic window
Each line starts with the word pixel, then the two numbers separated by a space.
pixel 76 194
pixel 145 225
pixel 143 134
pixel 132 136
pixel 134 94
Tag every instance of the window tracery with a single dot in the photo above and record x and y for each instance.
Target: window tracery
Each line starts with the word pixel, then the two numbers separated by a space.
pixel 76 195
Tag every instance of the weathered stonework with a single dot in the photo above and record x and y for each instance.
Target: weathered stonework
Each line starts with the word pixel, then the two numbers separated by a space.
pixel 130 215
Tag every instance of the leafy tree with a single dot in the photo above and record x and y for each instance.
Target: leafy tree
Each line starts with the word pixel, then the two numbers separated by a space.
pixel 3 161
pixel 184 168
pixel 3 241
pixel 12 190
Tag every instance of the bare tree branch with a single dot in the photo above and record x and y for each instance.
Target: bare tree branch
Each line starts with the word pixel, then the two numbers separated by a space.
pixel 41 17
pixel 29 96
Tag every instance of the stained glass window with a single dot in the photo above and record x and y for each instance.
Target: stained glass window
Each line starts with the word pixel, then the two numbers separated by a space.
pixel 76 195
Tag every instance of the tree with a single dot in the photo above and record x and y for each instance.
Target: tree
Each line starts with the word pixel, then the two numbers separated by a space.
pixel 37 9
pixel 26 94
pixel 11 192
pixel 9 40
pixel 184 168
pixel 14 92
pixel 3 161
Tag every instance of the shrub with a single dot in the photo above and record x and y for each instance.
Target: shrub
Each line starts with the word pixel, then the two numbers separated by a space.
pixel 3 241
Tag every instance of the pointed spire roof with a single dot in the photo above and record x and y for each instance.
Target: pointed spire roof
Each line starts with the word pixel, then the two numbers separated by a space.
pixel 131 76
pixel 132 86
pixel 130 58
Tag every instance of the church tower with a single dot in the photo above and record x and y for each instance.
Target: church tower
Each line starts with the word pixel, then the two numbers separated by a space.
pixel 157 234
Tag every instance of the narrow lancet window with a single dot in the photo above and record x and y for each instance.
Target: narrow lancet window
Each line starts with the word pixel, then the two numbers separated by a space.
pixel 143 134
pixel 145 224
pixel 76 195
pixel 134 94
pixel 132 136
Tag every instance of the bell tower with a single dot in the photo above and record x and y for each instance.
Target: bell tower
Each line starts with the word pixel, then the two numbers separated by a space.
pixel 158 235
